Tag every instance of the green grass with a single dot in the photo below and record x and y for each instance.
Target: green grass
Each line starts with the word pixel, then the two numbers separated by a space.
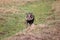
pixel 39 9
pixel 13 23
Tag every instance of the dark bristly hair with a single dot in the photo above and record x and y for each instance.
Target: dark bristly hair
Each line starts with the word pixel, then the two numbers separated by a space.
pixel 29 18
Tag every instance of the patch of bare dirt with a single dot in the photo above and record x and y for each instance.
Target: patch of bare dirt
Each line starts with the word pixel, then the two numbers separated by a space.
pixel 10 6
pixel 27 34
pixel 42 33
pixel 14 2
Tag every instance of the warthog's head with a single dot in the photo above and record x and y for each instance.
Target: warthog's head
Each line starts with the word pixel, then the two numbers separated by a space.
pixel 29 18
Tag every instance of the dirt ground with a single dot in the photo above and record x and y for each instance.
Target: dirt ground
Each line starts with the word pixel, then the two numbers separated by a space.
pixel 42 31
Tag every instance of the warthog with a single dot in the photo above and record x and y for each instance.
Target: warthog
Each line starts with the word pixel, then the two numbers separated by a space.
pixel 29 19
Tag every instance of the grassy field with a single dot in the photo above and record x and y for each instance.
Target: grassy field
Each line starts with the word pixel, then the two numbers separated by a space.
pixel 12 17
